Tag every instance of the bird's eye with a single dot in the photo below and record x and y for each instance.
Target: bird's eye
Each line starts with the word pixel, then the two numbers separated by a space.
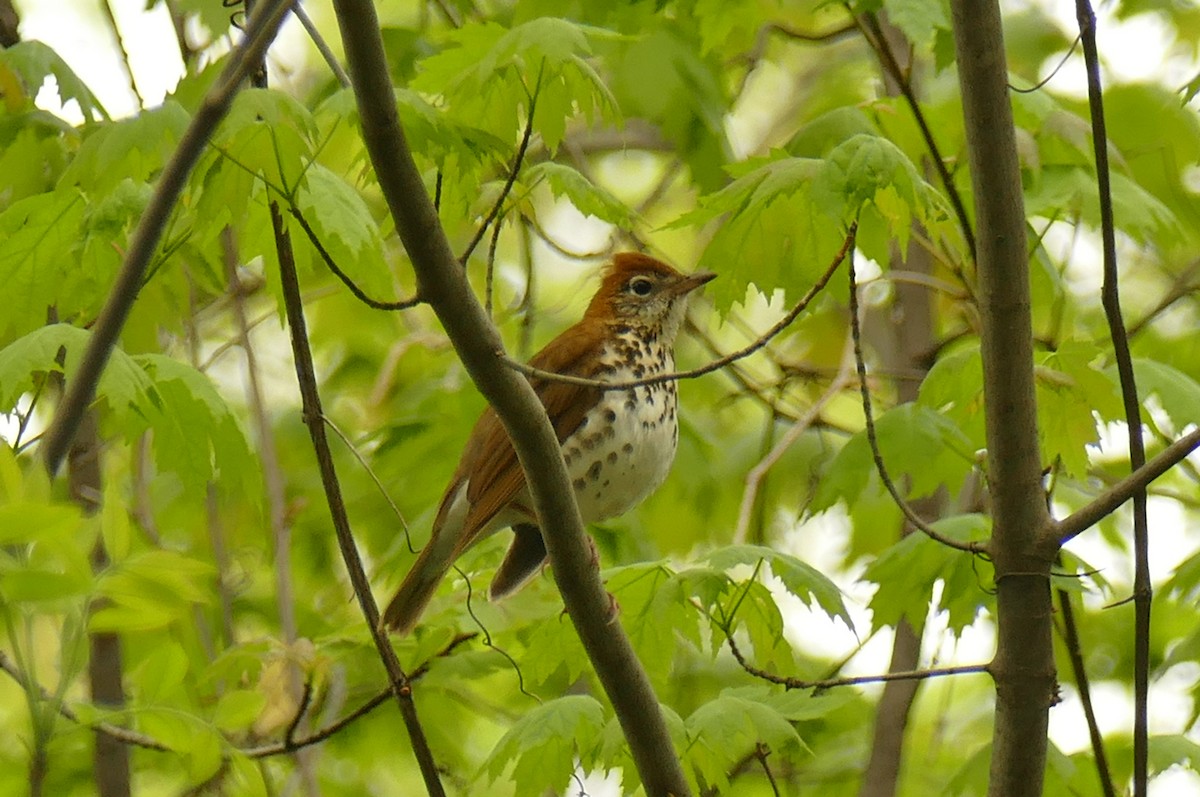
pixel 641 286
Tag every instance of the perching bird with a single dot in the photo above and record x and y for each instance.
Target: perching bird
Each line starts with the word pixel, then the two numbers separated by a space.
pixel 618 445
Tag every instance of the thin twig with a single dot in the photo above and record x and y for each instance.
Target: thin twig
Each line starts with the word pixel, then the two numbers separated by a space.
pixel 1041 83
pixel 1071 640
pixel 1103 505
pixel 913 518
pixel 1111 299
pixel 80 390
pixel 331 264
pixel 375 478
pixel 887 59
pixel 335 66
pixel 513 171
pixel 715 365
pixel 314 419
pixel 761 751
pixel 111 19
pixel 829 683
pixel 108 729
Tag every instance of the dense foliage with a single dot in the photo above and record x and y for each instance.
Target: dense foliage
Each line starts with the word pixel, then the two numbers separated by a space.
pixel 742 137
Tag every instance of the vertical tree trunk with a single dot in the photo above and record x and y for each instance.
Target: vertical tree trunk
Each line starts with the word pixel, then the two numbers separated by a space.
pixel 1023 667
pixel 110 762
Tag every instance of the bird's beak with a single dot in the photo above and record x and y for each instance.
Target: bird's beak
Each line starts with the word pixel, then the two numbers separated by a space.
pixel 693 281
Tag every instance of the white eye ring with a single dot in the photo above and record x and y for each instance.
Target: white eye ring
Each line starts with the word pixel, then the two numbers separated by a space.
pixel 641 286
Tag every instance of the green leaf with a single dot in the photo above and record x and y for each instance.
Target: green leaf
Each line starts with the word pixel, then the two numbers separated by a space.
pixel 907 572
pixel 133 149
pixel 727 729
pixel 34 62
pixel 238 709
pixel 1071 391
pixel 652 600
pixel 37 236
pixel 161 675
pixel 919 20
pixel 152 589
pixel 660 77
pixel 1178 393
pixel 345 227
pixel 125 387
pixel 196 435
pixel 543 744
pixel 587 197
pixel 488 71
pixel 800 579
pixel 916 443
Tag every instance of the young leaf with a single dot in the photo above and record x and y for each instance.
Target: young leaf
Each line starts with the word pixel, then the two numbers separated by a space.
pixel 196 435
pixel 800 579
pixel 725 730
pixel 545 742
pixel 587 197
pixel 907 572
pixel 33 62
pixel 915 442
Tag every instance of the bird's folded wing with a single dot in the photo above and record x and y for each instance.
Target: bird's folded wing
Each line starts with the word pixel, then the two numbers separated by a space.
pixel 497 478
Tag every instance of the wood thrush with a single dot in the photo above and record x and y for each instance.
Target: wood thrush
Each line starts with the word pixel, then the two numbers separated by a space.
pixel 617 444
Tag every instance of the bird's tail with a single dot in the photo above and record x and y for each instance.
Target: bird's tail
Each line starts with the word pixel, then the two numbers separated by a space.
pixel 410 600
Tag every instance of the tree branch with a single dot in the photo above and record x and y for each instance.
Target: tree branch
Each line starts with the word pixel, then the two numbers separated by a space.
pixel 1111 299
pixel 444 285
pixel 830 683
pixel 1104 504
pixel 1023 667
pixel 81 388
pixel 1075 654
pixel 916 520
pixel 314 420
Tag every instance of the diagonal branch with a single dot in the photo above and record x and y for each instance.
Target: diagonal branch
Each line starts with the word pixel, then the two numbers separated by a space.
pixel 81 389
pixel 314 420
pixel 909 513
pixel 1104 504
pixel 444 285
pixel 518 159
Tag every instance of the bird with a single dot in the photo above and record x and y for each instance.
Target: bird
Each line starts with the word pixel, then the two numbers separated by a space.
pixel 618 445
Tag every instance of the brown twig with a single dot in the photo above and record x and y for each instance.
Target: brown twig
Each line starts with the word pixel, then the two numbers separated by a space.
pixel 331 264
pixel 1103 505
pixel 829 683
pixel 260 31
pixel 135 739
pixel 1111 299
pixel 715 365
pixel 314 419
pixel 912 517
pixel 1070 634
pixel 513 171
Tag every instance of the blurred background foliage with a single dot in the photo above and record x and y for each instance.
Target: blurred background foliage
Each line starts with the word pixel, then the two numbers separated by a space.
pixel 737 136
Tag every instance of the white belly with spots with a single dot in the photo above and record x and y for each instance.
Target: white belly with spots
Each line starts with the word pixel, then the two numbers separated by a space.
pixel 624 451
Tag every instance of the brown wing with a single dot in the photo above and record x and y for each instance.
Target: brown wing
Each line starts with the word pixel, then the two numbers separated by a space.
pixel 496 476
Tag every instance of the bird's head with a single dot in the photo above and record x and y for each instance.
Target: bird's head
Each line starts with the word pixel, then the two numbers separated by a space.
pixel 641 292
